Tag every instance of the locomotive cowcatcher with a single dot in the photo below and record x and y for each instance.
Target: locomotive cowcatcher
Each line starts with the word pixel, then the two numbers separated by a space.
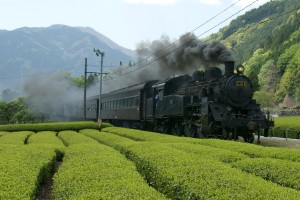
pixel 216 102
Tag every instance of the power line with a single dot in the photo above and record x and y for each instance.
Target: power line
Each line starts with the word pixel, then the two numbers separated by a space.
pixel 188 33
pixel 155 60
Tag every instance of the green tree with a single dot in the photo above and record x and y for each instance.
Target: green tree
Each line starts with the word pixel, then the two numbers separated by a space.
pixel 265 99
pixel 14 112
pixel 285 58
pixel 79 81
pixel 290 81
pixel 253 66
pixel 269 77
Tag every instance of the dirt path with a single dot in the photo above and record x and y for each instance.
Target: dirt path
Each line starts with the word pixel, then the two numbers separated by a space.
pixel 46 188
pixel 279 142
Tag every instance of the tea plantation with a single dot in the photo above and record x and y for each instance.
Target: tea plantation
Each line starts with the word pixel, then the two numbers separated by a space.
pixel 117 163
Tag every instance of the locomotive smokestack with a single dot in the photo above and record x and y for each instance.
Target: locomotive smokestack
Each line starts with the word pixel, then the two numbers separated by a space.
pixel 229 67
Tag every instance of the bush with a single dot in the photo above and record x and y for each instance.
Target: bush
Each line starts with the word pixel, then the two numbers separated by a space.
pixel 182 175
pixel 49 139
pixel 17 138
pixel 288 122
pixel 286 127
pixel 3 133
pixel 250 150
pixel 23 168
pixel 94 171
pixel 282 172
pixel 59 126
pixel 72 137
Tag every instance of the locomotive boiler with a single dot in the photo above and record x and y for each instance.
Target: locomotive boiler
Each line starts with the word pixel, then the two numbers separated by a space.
pixel 214 103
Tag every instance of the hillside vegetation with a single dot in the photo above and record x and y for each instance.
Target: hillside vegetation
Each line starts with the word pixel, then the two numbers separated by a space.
pixel 266 41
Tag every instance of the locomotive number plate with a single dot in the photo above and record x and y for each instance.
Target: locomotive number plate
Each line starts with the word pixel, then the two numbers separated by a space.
pixel 241 84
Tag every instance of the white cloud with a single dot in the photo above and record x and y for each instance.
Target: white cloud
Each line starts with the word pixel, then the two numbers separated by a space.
pixel 152 2
pixel 211 2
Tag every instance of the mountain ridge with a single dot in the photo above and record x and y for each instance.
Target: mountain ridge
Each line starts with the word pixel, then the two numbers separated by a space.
pixel 26 50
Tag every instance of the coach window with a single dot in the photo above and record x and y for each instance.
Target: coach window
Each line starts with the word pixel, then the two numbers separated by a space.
pixel 121 103
pixel 129 102
pixel 124 102
pixel 137 101
pixel 117 104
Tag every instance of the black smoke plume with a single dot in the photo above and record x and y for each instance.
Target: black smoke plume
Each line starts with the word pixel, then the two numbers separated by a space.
pixel 164 58
pixel 156 60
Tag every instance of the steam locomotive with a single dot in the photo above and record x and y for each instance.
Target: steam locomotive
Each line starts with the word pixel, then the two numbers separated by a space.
pixel 217 102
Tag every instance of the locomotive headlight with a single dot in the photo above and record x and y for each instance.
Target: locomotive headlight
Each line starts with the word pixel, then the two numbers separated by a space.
pixel 240 69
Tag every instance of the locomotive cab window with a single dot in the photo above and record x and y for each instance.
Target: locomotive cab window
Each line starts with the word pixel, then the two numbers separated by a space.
pixel 159 94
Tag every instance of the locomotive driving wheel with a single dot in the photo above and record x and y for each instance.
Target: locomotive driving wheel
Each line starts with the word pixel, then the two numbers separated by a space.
pixel 249 137
pixel 176 129
pixel 189 130
pixel 199 133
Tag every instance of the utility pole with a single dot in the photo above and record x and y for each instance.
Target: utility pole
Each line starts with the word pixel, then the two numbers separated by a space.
pixel 99 53
pixel 84 97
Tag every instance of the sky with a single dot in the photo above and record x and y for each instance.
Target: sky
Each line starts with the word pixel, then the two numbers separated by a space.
pixel 126 22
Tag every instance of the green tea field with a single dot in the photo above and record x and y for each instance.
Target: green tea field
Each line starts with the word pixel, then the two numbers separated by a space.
pixel 84 162
pixel 288 126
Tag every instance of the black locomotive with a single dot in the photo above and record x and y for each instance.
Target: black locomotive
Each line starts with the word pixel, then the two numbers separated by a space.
pixel 213 103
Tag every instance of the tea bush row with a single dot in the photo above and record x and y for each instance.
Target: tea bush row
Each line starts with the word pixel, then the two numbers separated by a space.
pixel 3 133
pixel 59 126
pixel 45 138
pixel 23 168
pixel 250 150
pixel 286 127
pixel 94 171
pixel 208 152
pixel 282 172
pixel 182 175
pixel 288 122
pixel 16 138
pixel 72 137
pixel 48 138
pixel 253 150
pixel 284 132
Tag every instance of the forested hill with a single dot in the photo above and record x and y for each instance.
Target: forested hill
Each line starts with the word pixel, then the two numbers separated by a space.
pixel 26 51
pixel 266 41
